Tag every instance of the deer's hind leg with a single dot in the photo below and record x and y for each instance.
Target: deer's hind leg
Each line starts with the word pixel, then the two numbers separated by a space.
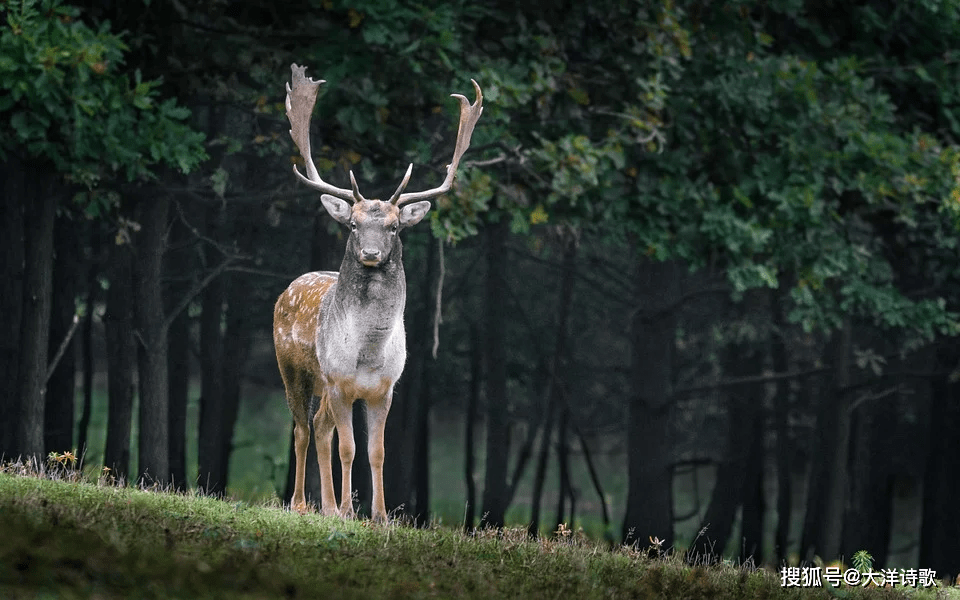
pixel 298 392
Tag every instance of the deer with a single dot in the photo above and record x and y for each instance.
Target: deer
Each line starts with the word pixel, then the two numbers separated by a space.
pixel 339 336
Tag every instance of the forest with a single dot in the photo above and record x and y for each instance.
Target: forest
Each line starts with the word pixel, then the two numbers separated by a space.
pixel 696 284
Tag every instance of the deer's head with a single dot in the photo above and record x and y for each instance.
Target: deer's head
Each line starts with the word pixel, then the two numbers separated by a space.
pixel 374 224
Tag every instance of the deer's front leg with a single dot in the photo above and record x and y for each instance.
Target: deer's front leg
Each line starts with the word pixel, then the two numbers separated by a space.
pixel 376 422
pixel 341 409
pixel 323 424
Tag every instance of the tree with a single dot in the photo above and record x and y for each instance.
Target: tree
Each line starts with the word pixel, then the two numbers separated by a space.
pixel 152 335
pixel 493 506
pixel 34 325
pixel 649 511
pixel 11 296
pixel 69 112
pixel 64 320
pixel 179 265
pixel 738 475
pixel 805 148
pixel 210 457
pixel 779 162
pixel 118 322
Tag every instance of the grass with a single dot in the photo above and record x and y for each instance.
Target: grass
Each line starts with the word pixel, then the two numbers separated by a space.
pixel 258 469
pixel 64 537
pixel 258 464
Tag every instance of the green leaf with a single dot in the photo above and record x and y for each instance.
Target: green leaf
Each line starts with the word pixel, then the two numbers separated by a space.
pixel 219 181
pixel 579 95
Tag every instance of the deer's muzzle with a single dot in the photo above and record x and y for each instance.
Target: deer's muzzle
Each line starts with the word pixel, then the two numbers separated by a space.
pixel 371 257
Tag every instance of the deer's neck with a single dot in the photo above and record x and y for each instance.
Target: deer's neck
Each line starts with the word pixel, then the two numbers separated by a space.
pixel 378 292
pixel 368 308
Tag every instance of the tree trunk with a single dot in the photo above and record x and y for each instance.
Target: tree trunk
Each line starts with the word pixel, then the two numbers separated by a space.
pixel 815 395
pixel 823 525
pixel 179 268
pixel 326 251
pixel 869 512
pixel 595 479
pixel 152 356
pixel 210 432
pixel 421 447
pixel 362 479
pixel 398 442
pixel 39 214
pixel 565 490
pixel 178 374
pixel 649 510
pixel 539 474
pixel 61 389
pixel 733 484
pixel 552 392
pixel 118 322
pixel 837 480
pixel 473 403
pixel 940 528
pixel 753 503
pixel 781 411
pixel 421 444
pixel 494 507
pixel 12 203
pixel 235 352
pixel 89 364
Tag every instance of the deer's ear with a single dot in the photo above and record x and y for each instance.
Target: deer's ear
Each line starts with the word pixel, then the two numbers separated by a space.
pixel 412 213
pixel 337 208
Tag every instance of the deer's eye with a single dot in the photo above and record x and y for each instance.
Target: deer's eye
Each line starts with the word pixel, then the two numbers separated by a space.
pixel 394 228
pixel 353 225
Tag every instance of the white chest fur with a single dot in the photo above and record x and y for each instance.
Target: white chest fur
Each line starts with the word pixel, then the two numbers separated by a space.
pixel 363 346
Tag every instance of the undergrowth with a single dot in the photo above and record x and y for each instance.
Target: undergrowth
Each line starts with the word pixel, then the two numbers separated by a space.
pixel 66 537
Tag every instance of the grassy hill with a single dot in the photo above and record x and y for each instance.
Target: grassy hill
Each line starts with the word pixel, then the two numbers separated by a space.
pixel 61 537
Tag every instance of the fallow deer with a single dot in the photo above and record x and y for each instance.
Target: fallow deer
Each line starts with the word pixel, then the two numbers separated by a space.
pixel 339 336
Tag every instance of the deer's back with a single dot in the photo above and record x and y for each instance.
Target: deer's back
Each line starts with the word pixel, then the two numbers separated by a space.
pixel 295 319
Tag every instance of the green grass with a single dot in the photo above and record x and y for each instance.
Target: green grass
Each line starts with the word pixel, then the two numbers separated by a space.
pixel 69 538
pixel 258 463
pixel 258 468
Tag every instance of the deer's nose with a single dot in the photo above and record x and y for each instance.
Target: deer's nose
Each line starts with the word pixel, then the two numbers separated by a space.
pixel 371 255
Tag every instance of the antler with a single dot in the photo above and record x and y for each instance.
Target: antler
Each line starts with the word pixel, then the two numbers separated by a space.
pixel 469 115
pixel 301 98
